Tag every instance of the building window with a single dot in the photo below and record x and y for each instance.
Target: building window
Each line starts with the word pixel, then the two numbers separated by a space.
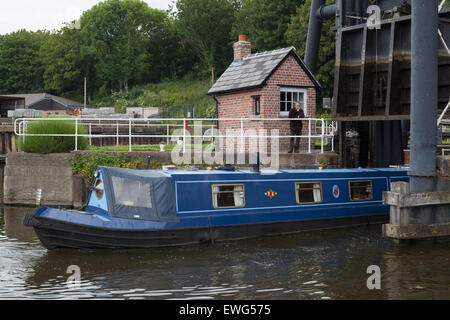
pixel 360 190
pixel 228 196
pixel 308 192
pixel 257 105
pixel 288 97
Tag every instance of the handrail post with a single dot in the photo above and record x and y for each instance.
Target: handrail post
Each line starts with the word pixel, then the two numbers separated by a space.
pixel 332 142
pixel 242 136
pixel 76 133
pixel 90 134
pixel 117 132
pixel 129 135
pixel 184 134
pixel 25 130
pixel 323 127
pixel 168 133
pixel 332 136
pixel 20 130
pixel 309 135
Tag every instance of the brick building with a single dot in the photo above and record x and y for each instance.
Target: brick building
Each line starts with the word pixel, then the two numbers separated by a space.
pixel 264 85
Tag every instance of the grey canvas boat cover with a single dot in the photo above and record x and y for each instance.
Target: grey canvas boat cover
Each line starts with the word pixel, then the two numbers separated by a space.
pixel 139 194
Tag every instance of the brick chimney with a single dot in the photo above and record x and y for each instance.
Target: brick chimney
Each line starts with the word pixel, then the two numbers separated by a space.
pixel 242 48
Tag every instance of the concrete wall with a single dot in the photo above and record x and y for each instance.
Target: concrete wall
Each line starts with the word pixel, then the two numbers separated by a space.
pixel 24 173
pixel 143 112
pixel 7 139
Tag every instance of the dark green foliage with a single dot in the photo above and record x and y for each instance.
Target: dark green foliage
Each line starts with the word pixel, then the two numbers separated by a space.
pixel 296 36
pixel 120 37
pixel 265 22
pixel 86 164
pixel 206 26
pixel 52 144
pixel 60 56
pixel 121 44
pixel 21 68
pixel 165 95
pixel 125 44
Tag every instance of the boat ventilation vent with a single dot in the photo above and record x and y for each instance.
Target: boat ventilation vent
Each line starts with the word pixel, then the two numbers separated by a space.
pixel 99 189
pixel 226 167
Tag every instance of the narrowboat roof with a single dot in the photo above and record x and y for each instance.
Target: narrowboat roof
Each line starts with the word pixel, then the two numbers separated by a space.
pixel 292 171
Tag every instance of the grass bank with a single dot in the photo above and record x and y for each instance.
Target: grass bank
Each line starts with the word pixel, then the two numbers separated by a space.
pixel 166 95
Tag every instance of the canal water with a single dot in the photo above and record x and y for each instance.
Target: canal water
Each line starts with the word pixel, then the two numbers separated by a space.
pixel 329 264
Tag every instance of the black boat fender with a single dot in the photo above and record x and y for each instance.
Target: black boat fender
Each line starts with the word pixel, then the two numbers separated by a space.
pixel 30 221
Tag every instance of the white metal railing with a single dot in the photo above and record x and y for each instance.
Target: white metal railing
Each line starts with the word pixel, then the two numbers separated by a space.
pixel 317 129
pixel 441 117
pixel 444 151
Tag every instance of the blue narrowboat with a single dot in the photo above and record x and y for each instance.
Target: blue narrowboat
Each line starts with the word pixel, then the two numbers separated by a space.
pixel 154 208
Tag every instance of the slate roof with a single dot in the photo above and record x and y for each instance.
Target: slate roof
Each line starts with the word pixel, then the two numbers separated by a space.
pixel 254 70
pixel 33 98
pixel 47 104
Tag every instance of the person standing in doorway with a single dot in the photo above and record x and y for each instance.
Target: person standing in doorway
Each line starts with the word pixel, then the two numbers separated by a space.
pixel 296 127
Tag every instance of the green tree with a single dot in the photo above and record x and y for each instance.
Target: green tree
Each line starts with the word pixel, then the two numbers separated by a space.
pixel 265 22
pixel 168 57
pixel 60 54
pixel 118 41
pixel 205 25
pixel 21 68
pixel 296 35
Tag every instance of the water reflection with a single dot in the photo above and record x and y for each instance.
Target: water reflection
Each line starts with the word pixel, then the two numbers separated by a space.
pixel 13 227
pixel 219 271
pixel 316 265
pixel 417 270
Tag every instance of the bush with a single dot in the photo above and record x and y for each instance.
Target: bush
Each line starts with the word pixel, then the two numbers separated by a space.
pixel 52 144
pixel 86 164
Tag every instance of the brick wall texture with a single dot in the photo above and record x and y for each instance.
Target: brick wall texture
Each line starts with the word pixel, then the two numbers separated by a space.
pixel 239 104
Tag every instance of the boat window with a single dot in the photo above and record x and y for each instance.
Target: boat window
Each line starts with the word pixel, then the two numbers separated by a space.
pixel 308 192
pixel 131 193
pixel 360 190
pixel 228 196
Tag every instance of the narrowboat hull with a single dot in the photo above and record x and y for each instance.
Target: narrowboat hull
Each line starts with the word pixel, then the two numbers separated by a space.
pixel 55 233
pixel 145 209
